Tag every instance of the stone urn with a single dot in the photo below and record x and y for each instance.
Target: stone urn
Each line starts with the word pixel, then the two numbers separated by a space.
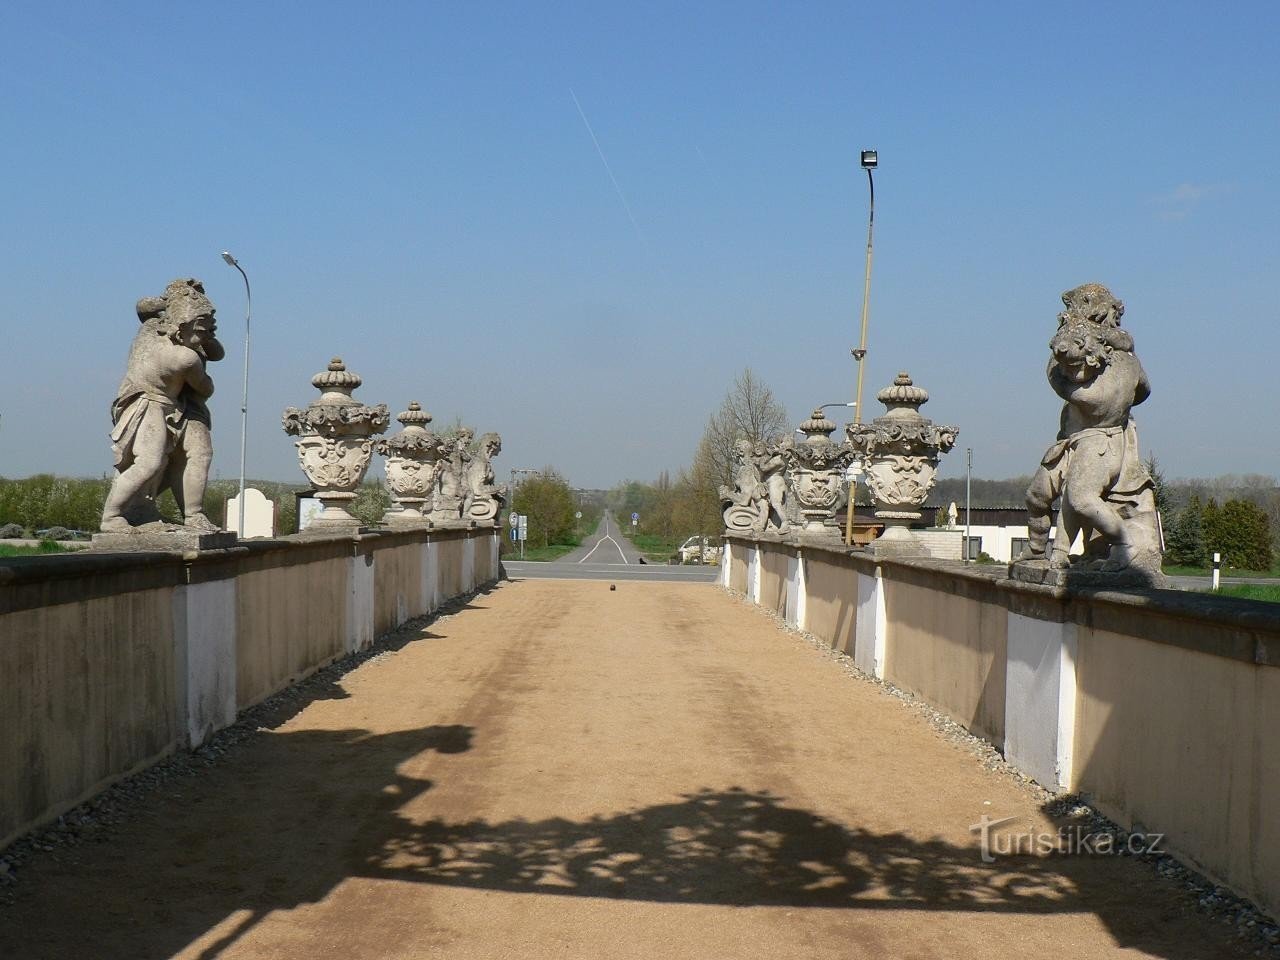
pixel 335 441
pixel 815 474
pixel 413 457
pixel 900 453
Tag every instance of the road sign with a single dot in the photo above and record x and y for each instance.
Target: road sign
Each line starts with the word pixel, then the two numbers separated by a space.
pixel 578 515
pixel 635 517
pixel 513 534
pixel 634 521
pixel 524 527
pixel 514 518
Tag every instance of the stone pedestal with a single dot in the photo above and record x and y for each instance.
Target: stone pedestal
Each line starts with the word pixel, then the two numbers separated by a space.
pixel 146 540
pixel 1039 571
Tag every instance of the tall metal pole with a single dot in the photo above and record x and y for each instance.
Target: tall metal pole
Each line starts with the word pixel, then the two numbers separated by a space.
pixel 968 498
pixel 244 398
pixel 860 354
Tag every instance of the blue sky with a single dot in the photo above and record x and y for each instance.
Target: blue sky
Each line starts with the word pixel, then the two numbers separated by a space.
pixel 412 186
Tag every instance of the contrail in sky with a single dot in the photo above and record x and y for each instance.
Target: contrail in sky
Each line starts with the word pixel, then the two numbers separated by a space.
pixel 609 170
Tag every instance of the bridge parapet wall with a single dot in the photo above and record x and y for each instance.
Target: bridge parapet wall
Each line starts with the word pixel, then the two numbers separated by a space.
pixel 1161 706
pixel 111 661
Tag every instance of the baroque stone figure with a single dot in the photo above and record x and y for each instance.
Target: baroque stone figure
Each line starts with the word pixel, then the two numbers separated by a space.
pixel 160 422
pixel 1094 469
pixel 335 441
pixel 900 453
pixel 746 503
pixel 414 462
pixel 484 497
pixel 816 474
pixel 771 460
pixel 451 483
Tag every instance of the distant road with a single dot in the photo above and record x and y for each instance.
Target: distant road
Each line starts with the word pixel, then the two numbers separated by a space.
pixel 607 545
pixel 607 555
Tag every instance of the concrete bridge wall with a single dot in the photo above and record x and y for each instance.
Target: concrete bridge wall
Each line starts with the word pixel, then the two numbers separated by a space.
pixel 1163 707
pixel 110 661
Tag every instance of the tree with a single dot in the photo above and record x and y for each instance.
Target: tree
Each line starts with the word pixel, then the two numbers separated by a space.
pixel 748 411
pixel 1241 532
pixel 1185 539
pixel 1164 502
pixel 547 501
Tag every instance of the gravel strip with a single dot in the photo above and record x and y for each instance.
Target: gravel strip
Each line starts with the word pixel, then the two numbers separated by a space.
pixel 93 820
pixel 1217 903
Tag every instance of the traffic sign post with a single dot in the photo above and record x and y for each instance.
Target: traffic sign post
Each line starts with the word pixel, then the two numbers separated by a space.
pixel 514 518
pixel 522 532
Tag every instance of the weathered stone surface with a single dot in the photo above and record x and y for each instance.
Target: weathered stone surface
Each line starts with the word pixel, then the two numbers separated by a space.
pixel 414 461
pixel 1094 468
pixel 160 423
pixel 162 537
pixel 335 441
pixel 900 453
pixel 757 502
pixel 815 475
pixel 484 496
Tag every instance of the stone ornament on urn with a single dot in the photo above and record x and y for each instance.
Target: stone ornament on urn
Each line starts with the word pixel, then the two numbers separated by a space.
pixel 900 453
pixel 815 474
pixel 413 465
pixel 334 441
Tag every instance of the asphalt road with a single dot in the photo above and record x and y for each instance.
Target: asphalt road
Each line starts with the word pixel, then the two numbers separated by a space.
pixel 607 555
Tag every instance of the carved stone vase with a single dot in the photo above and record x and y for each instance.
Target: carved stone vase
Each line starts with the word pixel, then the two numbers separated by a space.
pixel 412 456
pixel 815 474
pixel 900 453
pixel 335 441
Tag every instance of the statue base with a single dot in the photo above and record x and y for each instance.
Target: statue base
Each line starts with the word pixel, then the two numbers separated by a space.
pixel 154 540
pixel 897 540
pixel 1131 578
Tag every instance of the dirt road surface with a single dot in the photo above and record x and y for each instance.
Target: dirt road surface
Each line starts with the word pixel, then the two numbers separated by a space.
pixel 561 770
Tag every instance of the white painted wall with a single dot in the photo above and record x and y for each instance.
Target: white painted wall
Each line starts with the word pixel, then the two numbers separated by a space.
pixel 469 578
pixel 360 605
pixel 870 631
pixel 204 617
pixel 1040 696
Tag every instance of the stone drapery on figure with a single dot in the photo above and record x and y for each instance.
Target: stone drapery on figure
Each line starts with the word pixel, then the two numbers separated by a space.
pixel 160 421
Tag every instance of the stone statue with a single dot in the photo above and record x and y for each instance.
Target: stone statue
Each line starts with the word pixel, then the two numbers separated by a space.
pixel 953 516
pixel 484 498
pixel 1094 468
pixel 161 424
pixel 746 503
pixel 772 464
pixel 451 485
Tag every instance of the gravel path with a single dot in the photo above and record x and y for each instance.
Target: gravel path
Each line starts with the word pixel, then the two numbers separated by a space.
pixel 562 770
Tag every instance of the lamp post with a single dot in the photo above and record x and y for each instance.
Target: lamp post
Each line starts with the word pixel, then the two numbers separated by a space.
pixel 870 160
pixel 244 399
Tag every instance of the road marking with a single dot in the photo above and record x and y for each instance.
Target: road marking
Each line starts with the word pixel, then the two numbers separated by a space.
pixel 611 540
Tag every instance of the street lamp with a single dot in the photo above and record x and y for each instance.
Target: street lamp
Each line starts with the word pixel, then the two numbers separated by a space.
pixel 244 399
pixel 870 160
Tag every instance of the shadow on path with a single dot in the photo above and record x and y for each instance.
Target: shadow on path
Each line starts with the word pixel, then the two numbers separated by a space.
pixel 299 812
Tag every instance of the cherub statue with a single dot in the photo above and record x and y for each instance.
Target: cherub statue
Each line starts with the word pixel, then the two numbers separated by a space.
pixel 161 424
pixel 1094 466
pixel 772 464
pixel 484 498
pixel 451 487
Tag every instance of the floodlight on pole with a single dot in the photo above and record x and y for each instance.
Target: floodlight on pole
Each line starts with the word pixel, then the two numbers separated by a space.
pixel 870 160
pixel 244 399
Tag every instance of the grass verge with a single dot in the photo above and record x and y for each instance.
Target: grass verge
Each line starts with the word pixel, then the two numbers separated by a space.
pixel 1251 591
pixel 44 546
